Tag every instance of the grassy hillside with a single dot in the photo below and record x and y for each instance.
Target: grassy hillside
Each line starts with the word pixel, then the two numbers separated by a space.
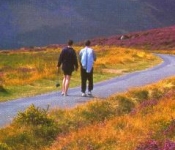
pixel 156 39
pixel 28 72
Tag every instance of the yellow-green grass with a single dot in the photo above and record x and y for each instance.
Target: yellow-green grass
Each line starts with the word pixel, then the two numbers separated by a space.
pixel 122 121
pixel 31 72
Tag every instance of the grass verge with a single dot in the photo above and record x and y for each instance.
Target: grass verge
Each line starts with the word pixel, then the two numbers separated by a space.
pixel 33 72
pixel 124 121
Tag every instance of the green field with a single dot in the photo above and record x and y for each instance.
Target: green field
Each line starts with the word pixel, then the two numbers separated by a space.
pixel 26 73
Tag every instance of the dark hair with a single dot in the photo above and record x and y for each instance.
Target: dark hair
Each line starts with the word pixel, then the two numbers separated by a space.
pixel 88 43
pixel 70 42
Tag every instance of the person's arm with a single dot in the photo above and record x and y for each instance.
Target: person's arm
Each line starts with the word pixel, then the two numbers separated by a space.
pixel 60 59
pixel 79 57
pixel 75 61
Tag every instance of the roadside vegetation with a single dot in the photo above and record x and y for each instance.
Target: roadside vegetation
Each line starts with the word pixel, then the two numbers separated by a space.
pixel 137 120
pixel 142 118
pixel 33 71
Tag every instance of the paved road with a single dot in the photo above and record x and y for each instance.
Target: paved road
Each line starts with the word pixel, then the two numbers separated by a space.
pixel 102 90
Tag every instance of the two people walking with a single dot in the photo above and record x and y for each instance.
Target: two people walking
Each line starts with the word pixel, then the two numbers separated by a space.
pixel 69 62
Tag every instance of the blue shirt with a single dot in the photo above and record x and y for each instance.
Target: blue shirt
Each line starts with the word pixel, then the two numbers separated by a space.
pixel 87 58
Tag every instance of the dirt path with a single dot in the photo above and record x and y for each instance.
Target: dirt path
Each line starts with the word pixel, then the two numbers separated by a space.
pixel 103 89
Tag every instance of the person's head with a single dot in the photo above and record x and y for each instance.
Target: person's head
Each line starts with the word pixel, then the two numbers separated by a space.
pixel 70 43
pixel 88 43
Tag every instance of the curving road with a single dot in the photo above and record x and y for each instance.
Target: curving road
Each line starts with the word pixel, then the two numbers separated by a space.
pixel 103 89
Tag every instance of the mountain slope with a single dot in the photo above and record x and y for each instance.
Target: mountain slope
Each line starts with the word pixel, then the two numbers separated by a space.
pixel 38 23
pixel 161 38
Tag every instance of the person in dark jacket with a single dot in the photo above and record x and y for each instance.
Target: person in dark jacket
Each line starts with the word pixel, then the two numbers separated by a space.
pixel 68 60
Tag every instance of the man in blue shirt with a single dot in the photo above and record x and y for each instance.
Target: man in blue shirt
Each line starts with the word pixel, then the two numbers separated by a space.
pixel 87 57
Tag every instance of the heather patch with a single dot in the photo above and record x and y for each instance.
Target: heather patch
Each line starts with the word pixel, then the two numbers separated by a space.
pixel 155 39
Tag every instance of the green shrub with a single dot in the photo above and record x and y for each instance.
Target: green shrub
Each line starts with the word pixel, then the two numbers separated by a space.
pixel 156 93
pixel 19 140
pixel 140 95
pixel 33 116
pixel 125 105
pixel 4 146
pixel 46 132
pixel 36 128
pixel 97 111
pixel 2 89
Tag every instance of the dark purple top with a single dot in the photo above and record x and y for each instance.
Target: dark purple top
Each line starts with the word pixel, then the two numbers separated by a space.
pixel 68 59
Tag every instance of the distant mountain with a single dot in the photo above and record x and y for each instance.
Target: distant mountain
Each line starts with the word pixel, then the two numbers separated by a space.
pixel 157 39
pixel 40 23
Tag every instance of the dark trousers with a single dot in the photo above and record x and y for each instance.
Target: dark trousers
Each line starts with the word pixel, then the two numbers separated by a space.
pixel 86 77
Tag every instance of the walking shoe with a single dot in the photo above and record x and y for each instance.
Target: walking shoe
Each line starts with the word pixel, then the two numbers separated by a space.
pixel 62 93
pixel 83 94
pixel 65 95
pixel 89 93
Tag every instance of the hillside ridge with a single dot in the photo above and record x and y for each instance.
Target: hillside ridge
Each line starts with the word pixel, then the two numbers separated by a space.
pixel 155 39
